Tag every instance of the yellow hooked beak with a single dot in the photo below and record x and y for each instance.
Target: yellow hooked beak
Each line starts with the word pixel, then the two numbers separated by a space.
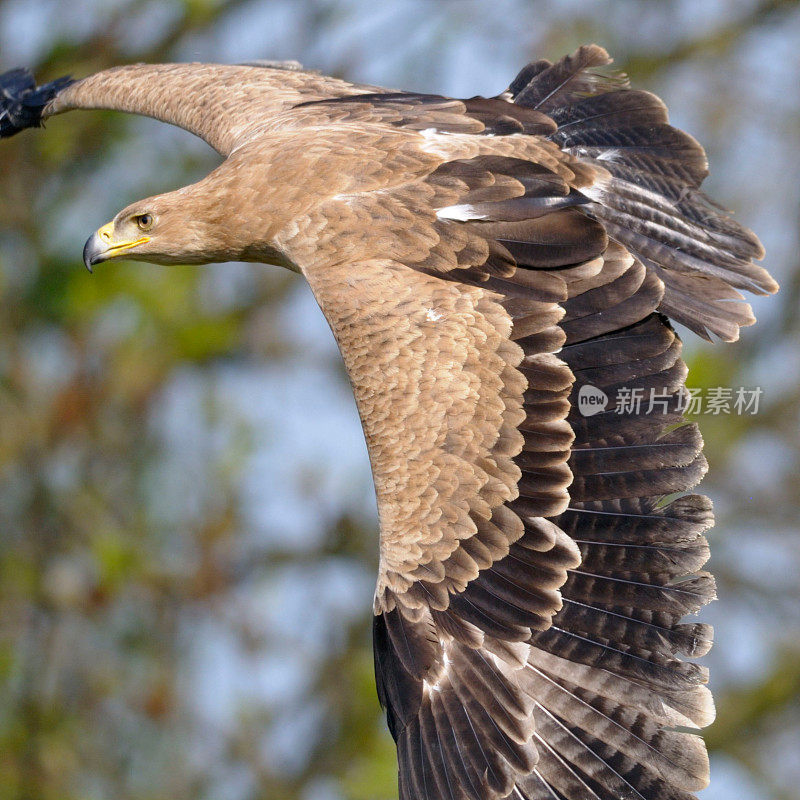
pixel 101 246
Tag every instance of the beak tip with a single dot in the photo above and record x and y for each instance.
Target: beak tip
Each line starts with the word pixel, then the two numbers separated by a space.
pixel 92 252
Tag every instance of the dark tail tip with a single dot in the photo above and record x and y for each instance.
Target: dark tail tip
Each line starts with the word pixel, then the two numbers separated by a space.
pixel 22 101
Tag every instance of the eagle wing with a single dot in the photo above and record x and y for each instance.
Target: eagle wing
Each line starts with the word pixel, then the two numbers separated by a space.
pixel 533 575
pixel 226 105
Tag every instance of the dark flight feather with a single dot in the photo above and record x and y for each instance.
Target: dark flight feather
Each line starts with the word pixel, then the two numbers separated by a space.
pixel 22 101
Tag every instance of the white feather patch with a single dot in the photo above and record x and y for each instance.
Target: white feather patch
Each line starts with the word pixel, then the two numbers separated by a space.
pixel 433 316
pixel 609 155
pixel 461 213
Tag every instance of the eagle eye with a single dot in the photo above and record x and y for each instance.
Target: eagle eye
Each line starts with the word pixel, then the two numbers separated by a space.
pixel 144 221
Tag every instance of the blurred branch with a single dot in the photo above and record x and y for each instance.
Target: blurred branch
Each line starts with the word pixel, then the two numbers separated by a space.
pixel 717 42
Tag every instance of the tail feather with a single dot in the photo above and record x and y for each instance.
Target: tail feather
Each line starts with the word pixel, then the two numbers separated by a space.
pixel 545 86
pixel 646 193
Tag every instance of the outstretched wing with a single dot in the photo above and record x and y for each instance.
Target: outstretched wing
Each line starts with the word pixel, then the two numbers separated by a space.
pixel 224 104
pixel 533 580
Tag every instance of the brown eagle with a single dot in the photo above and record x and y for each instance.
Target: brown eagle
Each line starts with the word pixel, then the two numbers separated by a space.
pixel 481 262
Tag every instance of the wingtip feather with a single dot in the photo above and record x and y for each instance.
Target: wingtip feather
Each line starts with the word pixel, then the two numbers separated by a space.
pixel 22 102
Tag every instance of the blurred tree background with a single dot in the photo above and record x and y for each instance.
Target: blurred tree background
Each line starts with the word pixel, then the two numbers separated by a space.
pixel 187 528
